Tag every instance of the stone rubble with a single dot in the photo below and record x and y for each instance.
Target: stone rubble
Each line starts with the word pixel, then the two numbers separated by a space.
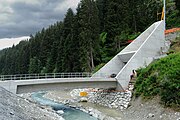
pixel 111 99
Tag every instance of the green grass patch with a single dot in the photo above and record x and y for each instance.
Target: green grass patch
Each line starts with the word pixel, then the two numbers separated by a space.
pixel 161 78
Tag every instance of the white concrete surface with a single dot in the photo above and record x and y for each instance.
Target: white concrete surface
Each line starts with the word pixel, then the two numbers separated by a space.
pixel 139 53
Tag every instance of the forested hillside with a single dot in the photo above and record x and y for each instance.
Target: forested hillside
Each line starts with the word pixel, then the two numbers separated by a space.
pixel 84 39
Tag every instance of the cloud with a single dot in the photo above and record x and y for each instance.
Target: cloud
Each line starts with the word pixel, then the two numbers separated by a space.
pixel 25 17
pixel 9 42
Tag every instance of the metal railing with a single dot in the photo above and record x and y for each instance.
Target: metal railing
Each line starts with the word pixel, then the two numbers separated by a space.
pixel 44 76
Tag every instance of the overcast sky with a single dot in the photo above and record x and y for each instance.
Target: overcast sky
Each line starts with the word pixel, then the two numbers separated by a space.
pixel 24 17
pixel 9 42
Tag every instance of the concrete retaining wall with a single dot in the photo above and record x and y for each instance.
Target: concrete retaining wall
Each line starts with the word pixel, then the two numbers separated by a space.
pixel 150 49
pixel 139 53
pixel 115 65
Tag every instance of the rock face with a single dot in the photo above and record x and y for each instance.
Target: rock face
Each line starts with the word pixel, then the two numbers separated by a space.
pixel 111 99
pixel 13 107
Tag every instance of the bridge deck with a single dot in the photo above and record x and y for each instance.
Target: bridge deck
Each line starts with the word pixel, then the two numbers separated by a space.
pixel 33 85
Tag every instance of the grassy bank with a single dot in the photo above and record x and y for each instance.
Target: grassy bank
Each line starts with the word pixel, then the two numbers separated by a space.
pixel 162 78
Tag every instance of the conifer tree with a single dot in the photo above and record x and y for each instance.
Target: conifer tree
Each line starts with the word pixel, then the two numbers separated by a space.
pixel 89 33
pixel 68 41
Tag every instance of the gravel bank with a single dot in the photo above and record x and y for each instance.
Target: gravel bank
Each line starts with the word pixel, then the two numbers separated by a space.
pixel 13 107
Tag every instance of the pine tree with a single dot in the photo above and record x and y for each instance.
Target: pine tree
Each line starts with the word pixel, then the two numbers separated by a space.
pixel 89 33
pixel 22 63
pixel 60 47
pixel 67 61
pixel 51 60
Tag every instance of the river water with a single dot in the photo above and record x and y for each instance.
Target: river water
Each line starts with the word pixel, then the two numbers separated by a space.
pixel 69 112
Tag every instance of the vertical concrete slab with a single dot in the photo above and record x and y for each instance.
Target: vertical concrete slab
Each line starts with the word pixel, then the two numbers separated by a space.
pixel 9 85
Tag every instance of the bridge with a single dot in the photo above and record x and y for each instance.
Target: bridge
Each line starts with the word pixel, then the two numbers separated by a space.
pixel 141 52
pixel 26 83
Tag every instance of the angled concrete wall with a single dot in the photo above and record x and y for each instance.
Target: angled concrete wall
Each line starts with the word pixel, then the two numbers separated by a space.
pixel 145 54
pixel 112 67
pixel 138 54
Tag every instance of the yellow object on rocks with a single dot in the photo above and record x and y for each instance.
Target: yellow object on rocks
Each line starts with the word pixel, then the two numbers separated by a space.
pixel 83 94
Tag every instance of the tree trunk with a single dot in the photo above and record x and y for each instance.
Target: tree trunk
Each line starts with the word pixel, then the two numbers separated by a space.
pixel 92 60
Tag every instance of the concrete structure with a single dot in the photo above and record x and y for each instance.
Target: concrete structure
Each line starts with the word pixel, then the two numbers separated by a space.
pixel 34 85
pixel 139 53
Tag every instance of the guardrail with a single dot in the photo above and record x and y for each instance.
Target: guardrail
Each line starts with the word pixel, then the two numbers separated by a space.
pixel 44 76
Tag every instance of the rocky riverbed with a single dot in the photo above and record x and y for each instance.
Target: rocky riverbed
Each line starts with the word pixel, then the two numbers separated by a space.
pixel 103 105
pixel 13 107
pixel 71 98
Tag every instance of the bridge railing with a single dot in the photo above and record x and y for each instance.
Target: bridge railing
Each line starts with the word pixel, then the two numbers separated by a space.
pixel 44 76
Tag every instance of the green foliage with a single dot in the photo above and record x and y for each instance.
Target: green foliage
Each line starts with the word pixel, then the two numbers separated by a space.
pixel 133 36
pixel 173 19
pixel 173 14
pixel 161 78
pixel 85 39
pixel 35 65
pixel 89 34
pixel 98 67
pixel 103 37
pixel 177 2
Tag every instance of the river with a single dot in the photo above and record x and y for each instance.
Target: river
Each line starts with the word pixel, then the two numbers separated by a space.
pixel 69 112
